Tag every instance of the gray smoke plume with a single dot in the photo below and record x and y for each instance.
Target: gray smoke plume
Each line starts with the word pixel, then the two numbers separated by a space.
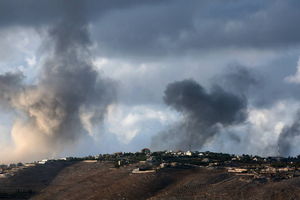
pixel 239 80
pixel 204 113
pixel 10 83
pixel 287 136
pixel 69 98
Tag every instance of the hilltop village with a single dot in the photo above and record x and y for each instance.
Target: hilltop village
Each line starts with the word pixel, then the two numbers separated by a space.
pixel 248 167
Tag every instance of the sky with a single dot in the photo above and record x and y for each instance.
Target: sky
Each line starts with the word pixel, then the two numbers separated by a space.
pixel 89 77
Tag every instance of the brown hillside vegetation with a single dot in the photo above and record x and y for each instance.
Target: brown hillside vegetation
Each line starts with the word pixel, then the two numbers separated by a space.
pixel 101 180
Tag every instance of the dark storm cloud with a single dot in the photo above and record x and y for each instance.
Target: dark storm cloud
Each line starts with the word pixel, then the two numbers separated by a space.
pixel 184 27
pixel 154 28
pixel 45 12
pixel 263 87
pixel 275 87
pixel 70 96
pixel 204 113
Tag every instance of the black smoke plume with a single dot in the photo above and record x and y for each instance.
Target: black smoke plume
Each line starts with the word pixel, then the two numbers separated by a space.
pixel 203 114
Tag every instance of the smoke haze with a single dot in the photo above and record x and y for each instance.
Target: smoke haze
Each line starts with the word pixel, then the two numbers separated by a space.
pixel 288 136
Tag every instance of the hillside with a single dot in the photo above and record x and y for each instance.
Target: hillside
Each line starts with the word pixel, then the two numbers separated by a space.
pixel 101 180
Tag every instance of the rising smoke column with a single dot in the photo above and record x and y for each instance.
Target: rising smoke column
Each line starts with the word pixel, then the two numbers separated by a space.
pixel 70 97
pixel 287 136
pixel 203 114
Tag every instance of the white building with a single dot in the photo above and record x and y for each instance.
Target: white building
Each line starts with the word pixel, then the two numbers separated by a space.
pixel 43 161
pixel 188 153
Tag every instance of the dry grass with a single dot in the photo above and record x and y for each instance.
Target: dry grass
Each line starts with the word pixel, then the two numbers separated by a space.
pixel 88 180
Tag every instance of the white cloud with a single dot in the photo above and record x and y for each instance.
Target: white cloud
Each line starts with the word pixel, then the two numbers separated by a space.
pixel 31 61
pixel 18 43
pixel 20 50
pixel 260 134
pixel 128 122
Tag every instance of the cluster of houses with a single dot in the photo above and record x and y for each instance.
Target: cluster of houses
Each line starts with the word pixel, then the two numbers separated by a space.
pixel 245 166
